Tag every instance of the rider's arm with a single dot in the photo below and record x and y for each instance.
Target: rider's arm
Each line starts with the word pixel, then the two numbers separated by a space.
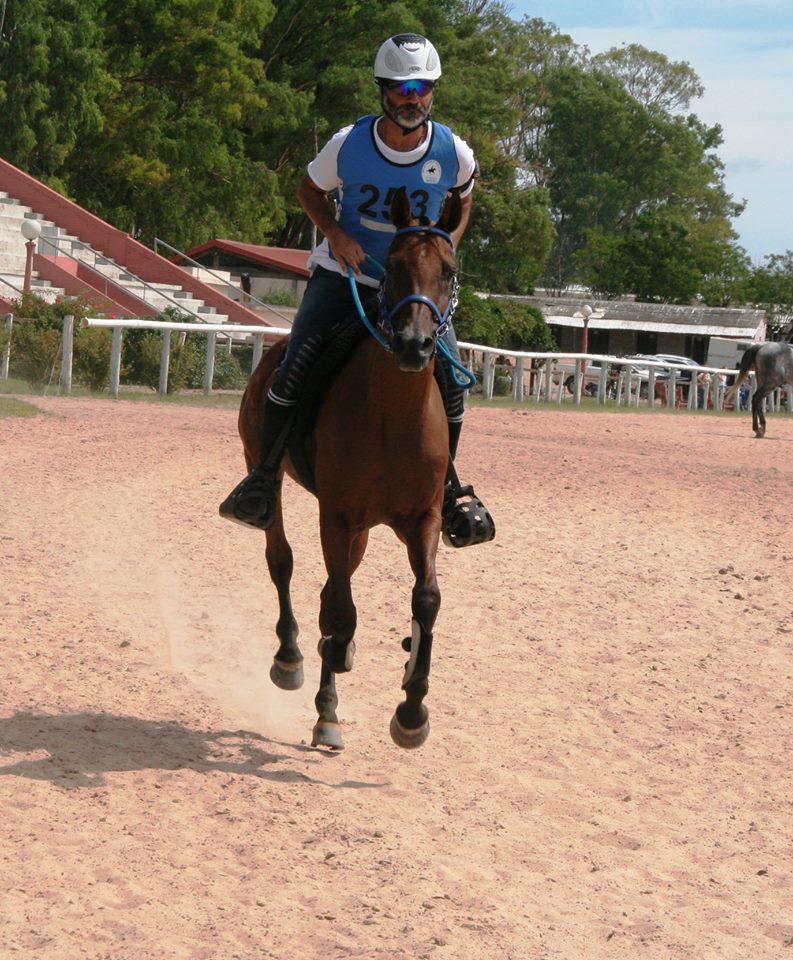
pixel 313 199
pixel 457 235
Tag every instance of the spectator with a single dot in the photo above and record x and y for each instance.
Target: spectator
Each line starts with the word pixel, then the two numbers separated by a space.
pixel 703 389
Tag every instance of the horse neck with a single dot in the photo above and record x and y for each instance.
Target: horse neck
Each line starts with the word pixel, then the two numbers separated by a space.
pixel 385 380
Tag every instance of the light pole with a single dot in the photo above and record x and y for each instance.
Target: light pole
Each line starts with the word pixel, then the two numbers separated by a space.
pixel 31 231
pixel 586 313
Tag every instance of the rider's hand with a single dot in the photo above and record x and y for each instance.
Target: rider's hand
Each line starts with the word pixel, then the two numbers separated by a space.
pixel 347 251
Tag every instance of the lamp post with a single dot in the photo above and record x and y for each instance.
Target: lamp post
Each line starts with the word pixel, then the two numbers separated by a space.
pixel 586 313
pixel 31 231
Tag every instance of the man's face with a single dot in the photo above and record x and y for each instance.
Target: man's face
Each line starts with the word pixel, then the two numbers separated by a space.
pixel 408 103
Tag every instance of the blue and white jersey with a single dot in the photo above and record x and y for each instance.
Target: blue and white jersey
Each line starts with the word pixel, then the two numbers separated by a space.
pixel 365 173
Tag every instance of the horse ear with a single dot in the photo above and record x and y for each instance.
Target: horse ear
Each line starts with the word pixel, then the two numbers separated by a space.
pixel 451 214
pixel 400 209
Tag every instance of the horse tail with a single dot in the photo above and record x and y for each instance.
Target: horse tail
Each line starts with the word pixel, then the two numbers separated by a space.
pixel 748 362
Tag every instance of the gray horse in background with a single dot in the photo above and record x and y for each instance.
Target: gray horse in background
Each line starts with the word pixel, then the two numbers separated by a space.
pixel 773 366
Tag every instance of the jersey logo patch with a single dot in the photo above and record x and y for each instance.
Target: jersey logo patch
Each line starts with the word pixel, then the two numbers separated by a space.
pixel 431 172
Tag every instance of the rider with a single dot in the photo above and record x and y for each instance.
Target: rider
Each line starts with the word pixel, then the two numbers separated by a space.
pixel 364 164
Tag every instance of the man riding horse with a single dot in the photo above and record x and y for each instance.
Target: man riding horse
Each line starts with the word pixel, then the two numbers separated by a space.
pixel 365 164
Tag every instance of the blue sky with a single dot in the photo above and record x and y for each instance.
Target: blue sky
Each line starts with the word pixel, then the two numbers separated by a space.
pixel 742 51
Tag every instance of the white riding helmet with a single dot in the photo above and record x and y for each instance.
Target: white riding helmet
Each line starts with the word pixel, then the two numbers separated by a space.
pixel 407 56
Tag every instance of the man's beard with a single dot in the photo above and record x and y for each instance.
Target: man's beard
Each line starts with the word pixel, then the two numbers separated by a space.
pixel 418 115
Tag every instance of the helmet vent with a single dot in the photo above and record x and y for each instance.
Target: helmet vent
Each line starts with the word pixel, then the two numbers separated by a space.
pixel 393 61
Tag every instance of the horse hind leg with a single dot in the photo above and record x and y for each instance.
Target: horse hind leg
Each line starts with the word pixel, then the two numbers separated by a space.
pixel 286 671
pixel 758 414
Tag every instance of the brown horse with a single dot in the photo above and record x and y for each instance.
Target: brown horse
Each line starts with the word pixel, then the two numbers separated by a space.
pixel 379 452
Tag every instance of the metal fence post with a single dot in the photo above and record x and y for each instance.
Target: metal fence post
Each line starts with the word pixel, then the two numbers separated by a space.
pixel 7 352
pixel 488 375
pixel 258 347
pixel 517 383
pixel 68 354
pixel 165 362
pixel 115 360
pixel 209 370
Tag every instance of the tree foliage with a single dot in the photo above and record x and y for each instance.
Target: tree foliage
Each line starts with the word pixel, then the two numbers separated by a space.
pixel 192 119
pixel 771 287
pixel 503 323
pixel 650 77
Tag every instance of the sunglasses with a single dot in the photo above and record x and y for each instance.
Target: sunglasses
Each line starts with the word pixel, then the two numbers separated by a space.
pixel 405 87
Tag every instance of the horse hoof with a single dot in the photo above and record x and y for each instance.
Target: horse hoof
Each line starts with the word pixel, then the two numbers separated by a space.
pixel 326 734
pixel 287 676
pixel 409 739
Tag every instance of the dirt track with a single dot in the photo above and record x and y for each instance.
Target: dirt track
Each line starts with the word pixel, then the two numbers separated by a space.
pixel 608 774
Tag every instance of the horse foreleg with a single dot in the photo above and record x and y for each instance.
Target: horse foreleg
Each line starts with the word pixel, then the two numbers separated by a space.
pixel 286 671
pixel 410 725
pixel 343 551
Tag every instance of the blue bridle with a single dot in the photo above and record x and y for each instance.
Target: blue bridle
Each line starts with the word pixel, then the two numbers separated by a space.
pixel 386 316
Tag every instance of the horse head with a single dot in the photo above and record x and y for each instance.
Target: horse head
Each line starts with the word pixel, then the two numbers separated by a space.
pixel 420 286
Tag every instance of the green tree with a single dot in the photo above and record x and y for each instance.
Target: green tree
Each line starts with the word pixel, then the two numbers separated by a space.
pixel 501 323
pixel 771 287
pixel 511 233
pixel 171 158
pixel 611 161
pixel 53 82
pixel 650 77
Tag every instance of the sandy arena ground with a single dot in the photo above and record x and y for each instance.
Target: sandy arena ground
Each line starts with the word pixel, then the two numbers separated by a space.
pixel 609 771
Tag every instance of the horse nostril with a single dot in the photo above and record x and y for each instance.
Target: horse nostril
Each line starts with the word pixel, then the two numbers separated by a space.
pixel 428 345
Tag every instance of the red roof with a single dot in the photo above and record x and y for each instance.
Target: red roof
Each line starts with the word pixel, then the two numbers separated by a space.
pixel 283 258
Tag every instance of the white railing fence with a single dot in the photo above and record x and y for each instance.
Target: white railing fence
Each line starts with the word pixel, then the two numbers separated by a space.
pixel 524 375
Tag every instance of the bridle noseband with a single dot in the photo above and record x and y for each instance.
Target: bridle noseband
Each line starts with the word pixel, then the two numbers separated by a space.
pixel 386 315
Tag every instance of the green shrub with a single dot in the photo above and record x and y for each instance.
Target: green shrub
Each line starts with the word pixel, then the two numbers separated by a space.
pixel 35 353
pixel 280 298
pixel 503 323
pixel 91 364
pixel 227 372
pixel 142 352
pixel 182 359
pixel 37 336
pixel 502 385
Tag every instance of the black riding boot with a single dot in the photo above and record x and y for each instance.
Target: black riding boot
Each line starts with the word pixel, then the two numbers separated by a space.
pixel 252 502
pixel 466 520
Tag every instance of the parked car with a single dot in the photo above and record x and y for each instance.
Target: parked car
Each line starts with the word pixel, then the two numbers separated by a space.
pixel 663 373
pixel 566 369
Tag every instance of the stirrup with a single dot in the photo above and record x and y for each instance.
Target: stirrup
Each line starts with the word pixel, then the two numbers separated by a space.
pixel 252 502
pixel 466 520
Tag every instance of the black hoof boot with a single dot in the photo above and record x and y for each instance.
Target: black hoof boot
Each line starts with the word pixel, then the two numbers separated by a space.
pixel 337 655
pixel 253 501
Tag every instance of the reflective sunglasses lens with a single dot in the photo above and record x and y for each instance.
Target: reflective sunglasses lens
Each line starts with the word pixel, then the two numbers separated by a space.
pixel 406 87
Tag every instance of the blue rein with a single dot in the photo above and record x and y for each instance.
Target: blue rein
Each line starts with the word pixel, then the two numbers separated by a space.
pixel 462 376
